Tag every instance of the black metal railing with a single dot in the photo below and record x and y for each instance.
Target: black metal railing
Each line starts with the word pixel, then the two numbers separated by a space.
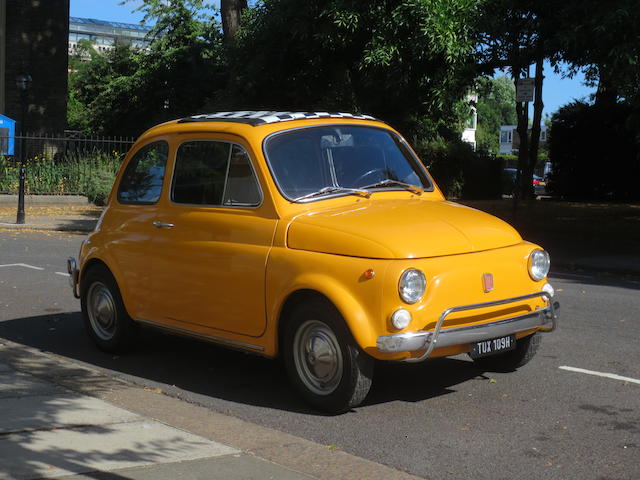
pixel 59 164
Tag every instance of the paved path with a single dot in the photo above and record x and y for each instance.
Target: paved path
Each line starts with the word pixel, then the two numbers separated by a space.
pixel 62 419
pixel 48 430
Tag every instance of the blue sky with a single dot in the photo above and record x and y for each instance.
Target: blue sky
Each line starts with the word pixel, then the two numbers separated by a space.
pixel 557 91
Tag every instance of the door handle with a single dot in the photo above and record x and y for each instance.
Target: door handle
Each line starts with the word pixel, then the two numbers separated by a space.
pixel 163 225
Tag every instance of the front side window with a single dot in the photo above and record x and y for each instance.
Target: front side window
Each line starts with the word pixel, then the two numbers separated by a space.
pixel 214 174
pixel 323 159
pixel 142 179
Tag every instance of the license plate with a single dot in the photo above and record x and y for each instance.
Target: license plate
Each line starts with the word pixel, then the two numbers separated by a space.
pixel 486 348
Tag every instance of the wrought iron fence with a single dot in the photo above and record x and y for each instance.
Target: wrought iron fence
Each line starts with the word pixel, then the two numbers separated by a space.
pixel 61 164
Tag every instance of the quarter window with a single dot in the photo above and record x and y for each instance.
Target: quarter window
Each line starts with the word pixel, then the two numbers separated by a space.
pixel 142 180
pixel 214 173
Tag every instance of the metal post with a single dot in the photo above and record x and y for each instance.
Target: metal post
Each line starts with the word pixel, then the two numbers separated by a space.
pixel 23 171
pixel 23 82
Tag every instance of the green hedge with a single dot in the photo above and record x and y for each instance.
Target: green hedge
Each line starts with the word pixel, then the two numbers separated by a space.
pixel 87 173
pixel 461 172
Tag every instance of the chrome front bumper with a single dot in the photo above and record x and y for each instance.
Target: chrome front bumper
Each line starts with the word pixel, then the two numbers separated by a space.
pixel 544 319
pixel 72 269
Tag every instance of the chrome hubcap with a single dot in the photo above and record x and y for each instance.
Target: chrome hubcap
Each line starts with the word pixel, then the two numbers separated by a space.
pixel 102 311
pixel 318 357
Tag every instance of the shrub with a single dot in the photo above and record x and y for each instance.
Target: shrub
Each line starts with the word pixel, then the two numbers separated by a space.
pixel 89 173
pixel 459 171
pixel 594 153
pixel 98 186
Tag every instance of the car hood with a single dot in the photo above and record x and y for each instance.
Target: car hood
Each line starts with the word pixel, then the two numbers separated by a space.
pixel 412 228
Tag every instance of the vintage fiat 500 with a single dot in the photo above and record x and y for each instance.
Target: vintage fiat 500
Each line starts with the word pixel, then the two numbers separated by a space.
pixel 317 237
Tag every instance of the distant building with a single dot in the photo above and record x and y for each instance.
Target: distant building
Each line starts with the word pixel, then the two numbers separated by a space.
pixel 104 35
pixel 33 41
pixel 510 140
pixel 469 132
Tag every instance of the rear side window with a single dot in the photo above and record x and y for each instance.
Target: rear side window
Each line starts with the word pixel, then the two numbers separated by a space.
pixel 214 174
pixel 142 180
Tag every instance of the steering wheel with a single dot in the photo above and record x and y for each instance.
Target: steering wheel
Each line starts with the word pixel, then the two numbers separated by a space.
pixel 358 181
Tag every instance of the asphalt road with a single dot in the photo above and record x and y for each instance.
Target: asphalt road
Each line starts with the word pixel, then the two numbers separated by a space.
pixel 442 419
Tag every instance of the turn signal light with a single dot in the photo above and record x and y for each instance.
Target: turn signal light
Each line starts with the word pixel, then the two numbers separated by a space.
pixel 369 274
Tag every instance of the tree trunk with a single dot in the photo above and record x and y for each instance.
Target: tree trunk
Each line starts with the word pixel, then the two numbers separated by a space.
pixel 535 131
pixel 605 94
pixel 231 11
pixel 522 112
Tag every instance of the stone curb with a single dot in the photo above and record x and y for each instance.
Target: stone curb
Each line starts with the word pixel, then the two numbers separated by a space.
pixel 84 226
pixel 45 200
pixel 288 451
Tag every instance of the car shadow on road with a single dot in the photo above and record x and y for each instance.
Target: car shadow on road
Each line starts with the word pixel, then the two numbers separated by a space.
pixel 189 368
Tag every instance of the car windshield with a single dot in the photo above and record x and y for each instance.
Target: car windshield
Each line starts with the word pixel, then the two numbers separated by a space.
pixel 315 162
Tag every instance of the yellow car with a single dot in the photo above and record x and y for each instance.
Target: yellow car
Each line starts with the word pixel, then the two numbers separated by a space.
pixel 317 237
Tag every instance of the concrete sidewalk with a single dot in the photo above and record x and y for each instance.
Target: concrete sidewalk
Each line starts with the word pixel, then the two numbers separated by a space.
pixel 61 419
pixel 47 430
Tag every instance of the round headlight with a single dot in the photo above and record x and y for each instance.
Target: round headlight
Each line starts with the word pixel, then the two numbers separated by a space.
pixel 412 285
pixel 539 263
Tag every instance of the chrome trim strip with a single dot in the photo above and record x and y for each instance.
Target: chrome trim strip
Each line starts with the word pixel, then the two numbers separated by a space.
pixel 427 340
pixel 191 333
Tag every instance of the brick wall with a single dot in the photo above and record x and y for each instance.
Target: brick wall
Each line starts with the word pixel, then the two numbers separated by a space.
pixel 37 35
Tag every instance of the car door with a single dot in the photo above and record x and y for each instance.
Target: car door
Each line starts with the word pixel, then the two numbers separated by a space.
pixel 214 238
pixel 129 227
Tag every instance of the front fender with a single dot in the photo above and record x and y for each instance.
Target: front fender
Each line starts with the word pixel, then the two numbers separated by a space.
pixel 89 254
pixel 339 279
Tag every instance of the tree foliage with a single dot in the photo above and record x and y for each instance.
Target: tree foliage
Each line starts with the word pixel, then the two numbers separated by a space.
pixel 603 39
pixel 496 107
pixel 126 90
pixel 404 61
pixel 584 169
pixel 408 62
pixel 516 34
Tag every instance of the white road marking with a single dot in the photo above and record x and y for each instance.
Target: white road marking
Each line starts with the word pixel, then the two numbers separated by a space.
pixel 63 274
pixel 21 265
pixel 600 374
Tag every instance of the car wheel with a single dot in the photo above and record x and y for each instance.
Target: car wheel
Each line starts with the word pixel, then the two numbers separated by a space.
pixel 525 350
pixel 105 316
pixel 323 361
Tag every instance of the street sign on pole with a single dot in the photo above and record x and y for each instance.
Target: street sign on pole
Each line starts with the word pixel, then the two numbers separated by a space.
pixel 524 90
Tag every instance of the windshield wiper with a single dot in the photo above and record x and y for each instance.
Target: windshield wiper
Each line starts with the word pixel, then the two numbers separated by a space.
pixel 397 183
pixel 330 190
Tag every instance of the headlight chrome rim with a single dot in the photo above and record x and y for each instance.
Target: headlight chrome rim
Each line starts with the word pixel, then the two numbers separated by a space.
pixel 412 285
pixel 539 264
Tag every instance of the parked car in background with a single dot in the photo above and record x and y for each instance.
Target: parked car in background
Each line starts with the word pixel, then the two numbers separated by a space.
pixel 316 237
pixel 539 185
pixel 508 182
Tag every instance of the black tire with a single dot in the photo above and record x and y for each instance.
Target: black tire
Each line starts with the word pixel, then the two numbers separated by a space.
pixel 105 316
pixel 343 379
pixel 526 349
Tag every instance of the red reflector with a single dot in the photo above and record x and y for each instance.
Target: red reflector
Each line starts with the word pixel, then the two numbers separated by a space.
pixel 487 282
